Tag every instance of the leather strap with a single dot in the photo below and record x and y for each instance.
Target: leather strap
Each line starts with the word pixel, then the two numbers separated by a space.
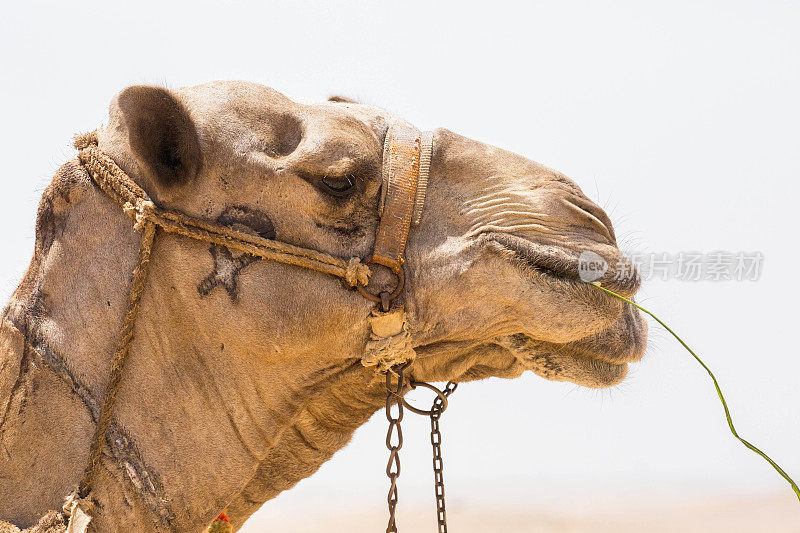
pixel 426 152
pixel 406 163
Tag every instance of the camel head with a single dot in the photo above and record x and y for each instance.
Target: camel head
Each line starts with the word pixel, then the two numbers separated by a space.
pixel 492 270
pixel 245 374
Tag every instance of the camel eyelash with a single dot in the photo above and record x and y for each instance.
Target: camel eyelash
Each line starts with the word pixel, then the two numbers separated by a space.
pixel 339 186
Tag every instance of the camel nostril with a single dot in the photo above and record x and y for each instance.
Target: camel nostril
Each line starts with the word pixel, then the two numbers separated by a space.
pixel 593 215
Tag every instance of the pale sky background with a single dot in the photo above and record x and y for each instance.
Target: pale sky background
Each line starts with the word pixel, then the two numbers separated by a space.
pixel 681 118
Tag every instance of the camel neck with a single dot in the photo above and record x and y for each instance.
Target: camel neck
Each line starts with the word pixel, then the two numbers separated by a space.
pixel 287 441
pixel 57 332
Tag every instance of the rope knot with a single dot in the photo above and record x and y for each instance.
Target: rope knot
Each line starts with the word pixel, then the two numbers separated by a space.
pixel 140 212
pixel 85 140
pixel 389 344
pixel 357 273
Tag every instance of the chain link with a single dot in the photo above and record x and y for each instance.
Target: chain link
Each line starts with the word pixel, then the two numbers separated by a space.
pixel 438 464
pixel 394 442
pixel 394 439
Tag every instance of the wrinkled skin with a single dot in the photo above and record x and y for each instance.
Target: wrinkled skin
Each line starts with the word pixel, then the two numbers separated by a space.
pixel 245 375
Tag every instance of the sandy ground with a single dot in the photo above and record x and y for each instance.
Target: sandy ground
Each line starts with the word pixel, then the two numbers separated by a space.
pixel 779 514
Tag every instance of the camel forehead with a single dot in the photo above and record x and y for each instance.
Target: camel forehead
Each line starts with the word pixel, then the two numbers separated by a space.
pixel 225 96
pixel 218 105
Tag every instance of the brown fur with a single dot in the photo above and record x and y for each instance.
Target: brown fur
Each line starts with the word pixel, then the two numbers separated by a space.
pixel 227 401
pixel 52 522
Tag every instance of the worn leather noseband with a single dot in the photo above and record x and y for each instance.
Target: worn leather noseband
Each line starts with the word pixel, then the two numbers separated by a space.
pixel 406 166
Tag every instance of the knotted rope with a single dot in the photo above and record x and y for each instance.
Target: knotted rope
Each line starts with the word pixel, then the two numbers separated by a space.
pixel 389 344
pixel 138 205
pixel 118 361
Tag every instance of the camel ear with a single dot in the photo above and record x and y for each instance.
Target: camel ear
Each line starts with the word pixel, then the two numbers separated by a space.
pixel 341 99
pixel 162 135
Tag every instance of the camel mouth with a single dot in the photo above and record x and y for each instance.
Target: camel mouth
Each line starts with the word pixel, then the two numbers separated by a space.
pixel 559 363
pixel 599 359
pixel 602 263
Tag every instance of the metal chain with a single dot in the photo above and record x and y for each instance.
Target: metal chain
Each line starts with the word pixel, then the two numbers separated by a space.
pixel 438 464
pixel 394 441
pixel 395 395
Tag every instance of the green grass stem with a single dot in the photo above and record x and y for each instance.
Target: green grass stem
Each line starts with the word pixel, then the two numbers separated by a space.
pixel 749 446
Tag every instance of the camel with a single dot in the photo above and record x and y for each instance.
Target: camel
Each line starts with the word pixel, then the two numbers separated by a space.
pixel 245 375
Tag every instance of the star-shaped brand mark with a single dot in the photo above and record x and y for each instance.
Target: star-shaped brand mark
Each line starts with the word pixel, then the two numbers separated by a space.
pixel 226 271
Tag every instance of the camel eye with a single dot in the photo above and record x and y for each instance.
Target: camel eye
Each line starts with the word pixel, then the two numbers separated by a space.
pixel 338 186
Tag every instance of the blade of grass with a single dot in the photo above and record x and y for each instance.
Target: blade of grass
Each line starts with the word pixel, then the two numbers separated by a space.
pixel 750 446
